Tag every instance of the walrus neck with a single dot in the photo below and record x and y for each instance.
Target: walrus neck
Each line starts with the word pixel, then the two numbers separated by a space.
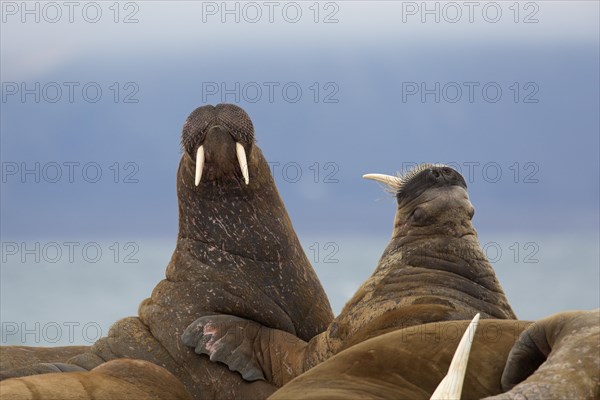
pixel 226 216
pixel 422 279
pixel 458 254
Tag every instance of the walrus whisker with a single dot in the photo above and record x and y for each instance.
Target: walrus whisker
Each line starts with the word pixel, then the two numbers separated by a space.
pixel 411 173
pixel 199 164
pixel 450 388
pixel 241 156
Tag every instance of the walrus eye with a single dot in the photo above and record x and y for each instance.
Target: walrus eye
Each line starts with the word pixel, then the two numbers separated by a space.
pixel 418 216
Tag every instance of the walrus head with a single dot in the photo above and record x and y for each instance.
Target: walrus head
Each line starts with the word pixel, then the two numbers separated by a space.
pixel 432 199
pixel 218 141
pixel 225 188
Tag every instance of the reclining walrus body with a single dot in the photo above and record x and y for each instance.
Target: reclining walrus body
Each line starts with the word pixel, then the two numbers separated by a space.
pixel 114 380
pixel 15 360
pixel 237 253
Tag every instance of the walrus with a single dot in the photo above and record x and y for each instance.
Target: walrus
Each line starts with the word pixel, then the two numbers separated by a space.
pixel 432 270
pixel 116 379
pixel 236 253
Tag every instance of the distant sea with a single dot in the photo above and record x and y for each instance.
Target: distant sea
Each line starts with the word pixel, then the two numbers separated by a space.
pixel 74 301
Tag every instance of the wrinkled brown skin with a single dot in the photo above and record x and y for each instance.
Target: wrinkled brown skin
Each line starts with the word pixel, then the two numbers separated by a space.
pixel 432 270
pixel 237 253
pixel 117 379
pixel 409 363
pixel 555 358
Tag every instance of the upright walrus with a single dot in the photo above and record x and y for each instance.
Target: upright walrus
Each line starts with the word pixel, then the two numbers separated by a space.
pixel 237 253
pixel 432 270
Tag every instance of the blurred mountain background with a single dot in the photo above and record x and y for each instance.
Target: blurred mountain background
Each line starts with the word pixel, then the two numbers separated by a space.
pixel 530 153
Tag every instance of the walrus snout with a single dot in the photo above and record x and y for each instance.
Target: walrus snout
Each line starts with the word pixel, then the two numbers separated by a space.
pixel 220 150
pixel 446 176
pixel 422 179
pixel 222 155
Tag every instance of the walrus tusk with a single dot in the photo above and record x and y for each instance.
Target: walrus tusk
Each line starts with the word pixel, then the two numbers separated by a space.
pixel 450 388
pixel 241 156
pixel 391 181
pixel 199 164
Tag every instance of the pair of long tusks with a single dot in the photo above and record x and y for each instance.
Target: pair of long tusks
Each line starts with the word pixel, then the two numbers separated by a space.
pixel 450 388
pixel 241 157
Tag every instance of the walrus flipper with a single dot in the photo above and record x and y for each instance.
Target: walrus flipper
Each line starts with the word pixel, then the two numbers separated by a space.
pixel 226 339
pixel 557 357
pixel 247 347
